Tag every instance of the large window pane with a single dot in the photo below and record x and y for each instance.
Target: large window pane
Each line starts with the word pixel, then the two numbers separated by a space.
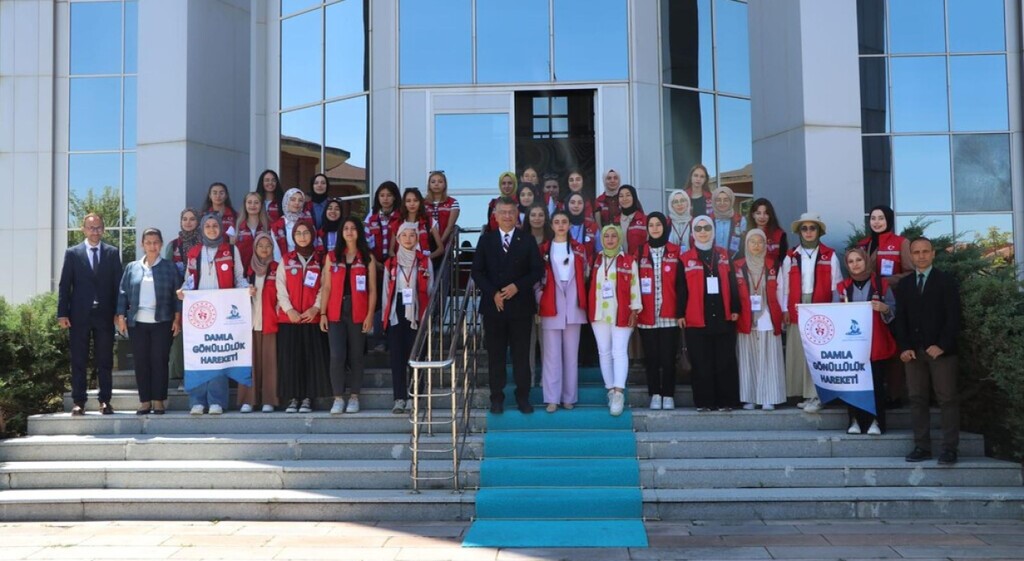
pixel 499 57
pixel 301 132
pixel 302 59
pixel 590 40
pixel 689 134
pixel 345 148
pixel 131 37
pixel 981 172
pixel 95 114
pixel 346 48
pixel 96 38
pixel 978 91
pixel 877 152
pixel 471 147
pixel 922 182
pixel 686 43
pixel 734 138
pixel 871 26
pixel 291 6
pixel 935 225
pixel 130 112
pixel 94 185
pixel 976 25
pixel 916 26
pixel 732 47
pixel 994 232
pixel 919 94
pixel 874 99
pixel 435 41
pixel 130 197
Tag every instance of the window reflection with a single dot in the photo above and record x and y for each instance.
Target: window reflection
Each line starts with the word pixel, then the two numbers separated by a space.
pixel 921 181
pixel 590 40
pixel 916 26
pixel 978 92
pixel 877 151
pixel 874 110
pixel 131 37
pixel 919 94
pixel 92 178
pixel 95 114
pixel 732 47
pixel 346 145
pixel 300 146
pixel 981 172
pixel 96 38
pixel 871 26
pixel 301 59
pixel 470 148
pixel 512 41
pixel 686 43
pixel 735 142
pixel 689 134
pixel 976 25
pixel 129 197
pixel 346 70
pixel 435 41
pixel 130 112
pixel 291 6
pixel 993 232
pixel 935 225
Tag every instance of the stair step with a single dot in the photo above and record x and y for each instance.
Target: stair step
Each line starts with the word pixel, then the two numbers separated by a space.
pixel 563 503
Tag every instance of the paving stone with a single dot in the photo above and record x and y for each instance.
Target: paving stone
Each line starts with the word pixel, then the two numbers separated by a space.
pixel 832 552
pixel 902 539
pixel 957 552
pixel 700 553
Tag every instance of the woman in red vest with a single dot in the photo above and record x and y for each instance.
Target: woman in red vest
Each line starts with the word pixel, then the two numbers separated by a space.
pixel 413 212
pixel 329 235
pixel 562 297
pixel 660 281
pixel 214 264
pixel 251 221
pixel 864 285
pixel 575 182
pixel 508 186
pixel 613 306
pixel 697 189
pixel 710 310
pixel 631 219
pixel 408 276
pixel 762 216
pixel 383 220
pixel 177 252
pixel 889 251
pixel 759 343
pixel 350 289
pixel 294 211
pixel 268 187
pixel 219 200
pixel 526 195
pixel 582 230
pixel 442 209
pixel 263 289
pixel 301 346
pixel 606 205
pixel 680 217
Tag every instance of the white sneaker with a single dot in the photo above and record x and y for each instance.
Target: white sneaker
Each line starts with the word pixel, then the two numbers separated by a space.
pixel 655 401
pixel 610 394
pixel 399 407
pixel 813 405
pixel 245 408
pixel 854 428
pixel 874 429
pixel 768 407
pixel 353 404
pixel 306 407
pixel 339 406
pixel 196 410
pixel 216 409
pixel 268 408
pixel 618 403
pixel 293 406
pixel 668 403
pixel 749 406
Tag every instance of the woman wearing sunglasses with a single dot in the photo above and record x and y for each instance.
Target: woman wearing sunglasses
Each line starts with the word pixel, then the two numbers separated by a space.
pixel 659 333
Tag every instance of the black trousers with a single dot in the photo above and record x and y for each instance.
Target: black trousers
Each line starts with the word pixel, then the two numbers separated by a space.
pixel 400 338
pixel 660 346
pixel 502 334
pixel 715 376
pixel 151 347
pixel 346 344
pixel 99 328
pixel 879 368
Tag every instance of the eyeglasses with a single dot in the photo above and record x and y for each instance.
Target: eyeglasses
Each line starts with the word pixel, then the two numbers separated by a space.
pixel 809 228
pixel 707 228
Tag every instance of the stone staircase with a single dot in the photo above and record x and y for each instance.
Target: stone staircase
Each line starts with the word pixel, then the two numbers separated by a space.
pixel 781 464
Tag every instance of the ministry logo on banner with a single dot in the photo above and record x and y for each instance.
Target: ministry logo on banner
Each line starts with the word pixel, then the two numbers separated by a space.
pixel 217 336
pixel 837 346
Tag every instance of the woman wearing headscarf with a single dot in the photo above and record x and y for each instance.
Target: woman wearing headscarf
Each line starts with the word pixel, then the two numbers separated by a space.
pixel 697 189
pixel 263 290
pixel 889 251
pixel 729 224
pixel 864 285
pixel 575 183
pixel 177 252
pixel 762 215
pixel 582 229
pixel 318 198
pixel 613 306
pixel 215 264
pixel 408 275
pixel 759 343
pixel 281 229
pixel 631 220
pixel 810 274
pixel 301 346
pixel 660 282
pixel 708 310
pixel 562 299
pixel 508 186
pixel 606 206
pixel 679 219
pixel 329 235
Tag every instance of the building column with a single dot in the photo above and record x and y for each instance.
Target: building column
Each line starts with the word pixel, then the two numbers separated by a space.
pixel 805 95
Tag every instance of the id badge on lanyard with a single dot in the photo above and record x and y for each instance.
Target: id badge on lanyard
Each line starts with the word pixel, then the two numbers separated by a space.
pixel 607 291
pixel 360 283
pixel 755 302
pixel 888 265
pixel 712 283
pixel 646 286
pixel 407 296
pixel 310 281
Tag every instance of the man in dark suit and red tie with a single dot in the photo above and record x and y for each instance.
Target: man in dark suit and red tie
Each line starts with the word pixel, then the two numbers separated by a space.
pixel 506 266
pixel 86 302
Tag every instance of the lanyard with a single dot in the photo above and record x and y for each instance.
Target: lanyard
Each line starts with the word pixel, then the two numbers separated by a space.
pixel 760 279
pixel 407 276
pixel 711 271
pixel 609 263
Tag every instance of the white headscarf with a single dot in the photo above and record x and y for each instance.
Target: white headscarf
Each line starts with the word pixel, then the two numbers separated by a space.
pixel 407 260
pixel 680 234
pixel 288 215
pixel 732 203
pixel 710 243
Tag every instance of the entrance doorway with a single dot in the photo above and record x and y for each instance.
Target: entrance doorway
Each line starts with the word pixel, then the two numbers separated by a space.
pixel 554 134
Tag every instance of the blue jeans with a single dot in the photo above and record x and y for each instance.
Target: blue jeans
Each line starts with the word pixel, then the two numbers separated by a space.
pixel 214 392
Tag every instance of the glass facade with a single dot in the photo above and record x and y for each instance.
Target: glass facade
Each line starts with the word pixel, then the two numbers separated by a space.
pixel 706 91
pixel 324 108
pixel 102 117
pixel 935 114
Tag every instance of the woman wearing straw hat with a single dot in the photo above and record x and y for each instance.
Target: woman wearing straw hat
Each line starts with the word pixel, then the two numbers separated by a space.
pixel 810 274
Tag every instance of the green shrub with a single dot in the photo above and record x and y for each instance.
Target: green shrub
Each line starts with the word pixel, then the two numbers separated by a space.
pixel 35 367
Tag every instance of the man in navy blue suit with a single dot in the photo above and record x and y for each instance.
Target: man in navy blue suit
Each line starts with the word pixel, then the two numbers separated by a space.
pixel 86 302
pixel 506 265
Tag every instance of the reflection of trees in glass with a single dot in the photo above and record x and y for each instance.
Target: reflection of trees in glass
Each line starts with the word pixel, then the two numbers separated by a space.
pixel 107 204
pixel 981 172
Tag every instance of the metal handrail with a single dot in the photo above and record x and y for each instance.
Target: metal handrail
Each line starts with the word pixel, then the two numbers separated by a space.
pixel 449 326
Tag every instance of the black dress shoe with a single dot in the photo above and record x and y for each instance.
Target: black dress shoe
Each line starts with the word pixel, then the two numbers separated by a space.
pixel 78 410
pixel 497 408
pixel 947 458
pixel 919 455
pixel 106 409
pixel 159 411
pixel 525 408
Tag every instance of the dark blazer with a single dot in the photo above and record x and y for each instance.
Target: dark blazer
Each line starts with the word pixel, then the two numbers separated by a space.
pixel 79 286
pixel 493 269
pixel 932 318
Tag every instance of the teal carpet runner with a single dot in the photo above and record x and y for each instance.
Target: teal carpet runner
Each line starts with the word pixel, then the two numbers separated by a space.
pixel 563 479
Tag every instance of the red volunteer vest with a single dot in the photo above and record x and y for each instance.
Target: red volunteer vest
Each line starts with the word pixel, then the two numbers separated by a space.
pixel 244 240
pixel 302 297
pixel 581 261
pixel 223 263
pixel 423 279
pixel 822 293
pixel 606 207
pixel 743 289
pixel 636 232
pixel 440 213
pixel 774 244
pixel 696 285
pixel 269 299
pixel 360 298
pixel 669 270
pixel 380 233
pixel 889 245
pixel 883 345
pixel 623 281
